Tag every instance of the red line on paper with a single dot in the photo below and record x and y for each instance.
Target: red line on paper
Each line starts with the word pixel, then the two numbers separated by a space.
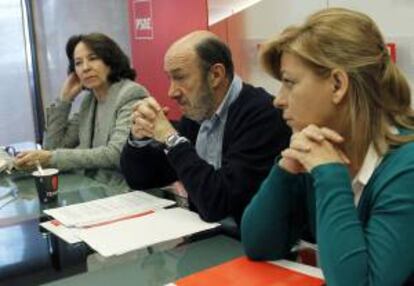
pixel 55 222
pixel 119 219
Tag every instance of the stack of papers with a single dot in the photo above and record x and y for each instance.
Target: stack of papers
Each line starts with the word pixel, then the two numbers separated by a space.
pixel 107 209
pixel 123 223
pixel 148 230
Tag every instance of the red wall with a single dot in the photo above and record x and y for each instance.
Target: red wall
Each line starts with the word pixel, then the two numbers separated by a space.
pixel 231 31
pixel 164 22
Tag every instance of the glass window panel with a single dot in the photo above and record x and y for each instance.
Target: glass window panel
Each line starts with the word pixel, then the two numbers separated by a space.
pixel 16 115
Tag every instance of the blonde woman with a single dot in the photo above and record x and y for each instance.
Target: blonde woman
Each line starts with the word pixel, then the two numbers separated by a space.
pixel 347 178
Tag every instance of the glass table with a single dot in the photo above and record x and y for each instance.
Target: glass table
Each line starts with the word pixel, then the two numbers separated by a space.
pixel 163 267
pixel 24 247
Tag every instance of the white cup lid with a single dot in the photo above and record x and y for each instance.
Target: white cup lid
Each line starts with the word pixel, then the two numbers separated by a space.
pixel 45 172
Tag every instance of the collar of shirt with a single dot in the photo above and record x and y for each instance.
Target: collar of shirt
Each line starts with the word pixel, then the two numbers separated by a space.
pixel 210 136
pixel 231 95
pixel 371 161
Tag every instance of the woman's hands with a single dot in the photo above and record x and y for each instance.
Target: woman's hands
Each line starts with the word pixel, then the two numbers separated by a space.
pixel 27 160
pixel 71 88
pixel 311 147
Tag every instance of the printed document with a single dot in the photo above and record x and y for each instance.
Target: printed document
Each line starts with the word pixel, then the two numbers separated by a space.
pixel 107 209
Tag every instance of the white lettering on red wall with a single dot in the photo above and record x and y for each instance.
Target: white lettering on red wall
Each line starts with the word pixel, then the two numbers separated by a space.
pixel 143 22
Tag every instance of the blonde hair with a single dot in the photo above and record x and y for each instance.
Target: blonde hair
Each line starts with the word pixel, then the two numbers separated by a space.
pixel 378 96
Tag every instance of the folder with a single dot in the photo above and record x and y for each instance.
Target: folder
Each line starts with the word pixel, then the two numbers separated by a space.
pixel 244 272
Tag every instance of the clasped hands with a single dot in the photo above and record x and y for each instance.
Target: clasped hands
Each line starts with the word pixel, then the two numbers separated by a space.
pixel 311 147
pixel 149 120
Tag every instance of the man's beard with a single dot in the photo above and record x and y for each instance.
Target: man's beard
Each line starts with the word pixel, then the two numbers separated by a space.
pixel 203 107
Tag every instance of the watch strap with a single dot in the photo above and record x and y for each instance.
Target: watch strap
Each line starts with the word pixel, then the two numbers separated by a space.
pixel 173 140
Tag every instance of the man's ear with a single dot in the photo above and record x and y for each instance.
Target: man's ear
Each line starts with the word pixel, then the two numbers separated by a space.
pixel 216 75
pixel 340 83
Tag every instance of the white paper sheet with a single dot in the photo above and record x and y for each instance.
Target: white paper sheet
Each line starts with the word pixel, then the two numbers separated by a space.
pixel 299 267
pixel 127 235
pixel 70 235
pixel 101 210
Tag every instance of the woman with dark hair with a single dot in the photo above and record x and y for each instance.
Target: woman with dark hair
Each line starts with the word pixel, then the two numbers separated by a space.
pixel 91 139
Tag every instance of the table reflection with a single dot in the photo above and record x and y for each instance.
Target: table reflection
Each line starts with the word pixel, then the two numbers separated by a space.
pixel 24 247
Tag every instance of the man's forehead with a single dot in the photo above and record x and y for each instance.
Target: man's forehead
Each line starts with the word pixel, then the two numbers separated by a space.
pixel 177 59
pixel 183 51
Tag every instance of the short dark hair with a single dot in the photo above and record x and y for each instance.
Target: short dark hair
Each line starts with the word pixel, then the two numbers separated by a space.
pixel 107 50
pixel 212 51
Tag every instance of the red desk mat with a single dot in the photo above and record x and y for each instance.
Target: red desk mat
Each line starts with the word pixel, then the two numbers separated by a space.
pixel 244 272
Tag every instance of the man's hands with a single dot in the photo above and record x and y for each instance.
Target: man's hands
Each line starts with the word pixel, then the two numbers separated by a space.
pixel 149 120
pixel 27 160
pixel 311 147
pixel 71 88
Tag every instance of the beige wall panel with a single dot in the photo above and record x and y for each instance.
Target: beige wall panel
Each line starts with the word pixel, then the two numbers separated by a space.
pixel 395 18
pixel 245 30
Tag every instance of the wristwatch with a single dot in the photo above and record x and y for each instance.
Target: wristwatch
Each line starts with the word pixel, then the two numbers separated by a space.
pixel 174 140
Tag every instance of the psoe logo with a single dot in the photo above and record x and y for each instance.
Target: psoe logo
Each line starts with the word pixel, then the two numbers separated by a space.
pixel 143 24
pixel 143 21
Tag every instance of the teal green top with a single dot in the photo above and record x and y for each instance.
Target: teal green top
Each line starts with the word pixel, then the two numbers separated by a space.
pixel 372 244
